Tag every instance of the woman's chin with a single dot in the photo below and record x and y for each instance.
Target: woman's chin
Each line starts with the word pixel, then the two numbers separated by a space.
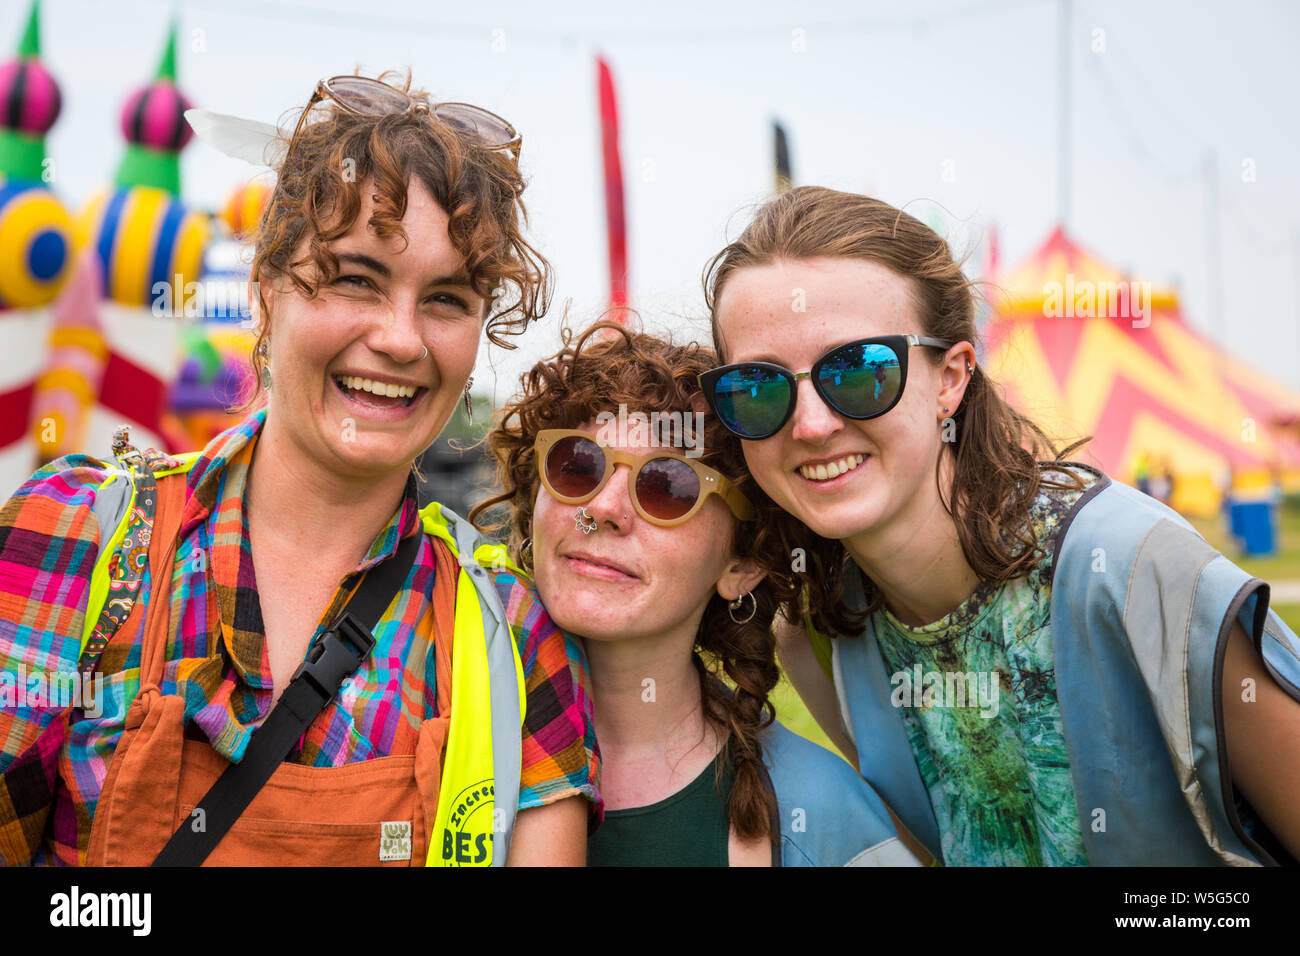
pixel 594 619
pixel 372 455
pixel 839 521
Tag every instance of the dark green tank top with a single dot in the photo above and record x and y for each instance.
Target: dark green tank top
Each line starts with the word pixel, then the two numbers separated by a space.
pixel 689 828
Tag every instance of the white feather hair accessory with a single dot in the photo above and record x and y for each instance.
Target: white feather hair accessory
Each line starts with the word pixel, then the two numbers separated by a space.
pixel 254 142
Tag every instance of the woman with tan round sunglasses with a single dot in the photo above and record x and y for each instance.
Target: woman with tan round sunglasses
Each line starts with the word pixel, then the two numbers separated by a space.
pixel 650 556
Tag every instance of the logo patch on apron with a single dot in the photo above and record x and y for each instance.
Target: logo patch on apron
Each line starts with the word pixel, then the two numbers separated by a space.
pixel 394 841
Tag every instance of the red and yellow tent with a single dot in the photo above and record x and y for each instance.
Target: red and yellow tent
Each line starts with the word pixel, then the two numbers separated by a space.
pixel 1085 350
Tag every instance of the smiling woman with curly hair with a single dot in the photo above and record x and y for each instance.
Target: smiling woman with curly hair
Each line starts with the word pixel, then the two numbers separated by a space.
pixel 233 575
pixel 672 588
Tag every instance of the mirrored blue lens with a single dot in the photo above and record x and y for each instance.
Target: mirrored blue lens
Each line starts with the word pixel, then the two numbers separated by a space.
pixel 861 380
pixel 752 401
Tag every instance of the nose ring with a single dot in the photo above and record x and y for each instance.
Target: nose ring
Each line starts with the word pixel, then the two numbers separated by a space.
pixel 580 519
pixel 426 353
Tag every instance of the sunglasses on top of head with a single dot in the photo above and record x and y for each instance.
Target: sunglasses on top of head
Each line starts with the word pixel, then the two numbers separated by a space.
pixel 666 488
pixel 364 96
pixel 860 380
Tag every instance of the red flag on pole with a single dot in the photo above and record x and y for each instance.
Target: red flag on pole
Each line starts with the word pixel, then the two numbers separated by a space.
pixel 615 214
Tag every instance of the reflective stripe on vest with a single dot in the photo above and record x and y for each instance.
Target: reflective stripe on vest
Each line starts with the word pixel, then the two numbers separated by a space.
pixel 483 741
pixel 483 748
pixel 106 508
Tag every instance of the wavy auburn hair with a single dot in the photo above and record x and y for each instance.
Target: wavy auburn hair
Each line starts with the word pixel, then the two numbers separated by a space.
pixel 998 453
pixel 609 365
pixel 317 195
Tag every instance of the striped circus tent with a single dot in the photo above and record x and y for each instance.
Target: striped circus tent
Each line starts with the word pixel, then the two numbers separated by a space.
pixel 1085 350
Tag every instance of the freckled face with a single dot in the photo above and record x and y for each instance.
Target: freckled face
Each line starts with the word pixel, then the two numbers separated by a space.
pixel 352 386
pixel 630 578
pixel 843 299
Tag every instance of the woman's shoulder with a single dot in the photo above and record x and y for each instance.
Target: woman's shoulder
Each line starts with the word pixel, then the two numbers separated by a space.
pixel 1111 510
pixel 101 486
pixel 796 755
pixel 830 816
pixel 53 531
pixel 63 477
pixel 519 597
pixel 69 497
pixel 536 635
pixel 1064 486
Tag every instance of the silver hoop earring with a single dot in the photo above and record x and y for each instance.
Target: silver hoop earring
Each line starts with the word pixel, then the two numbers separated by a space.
pixel 580 519
pixel 734 606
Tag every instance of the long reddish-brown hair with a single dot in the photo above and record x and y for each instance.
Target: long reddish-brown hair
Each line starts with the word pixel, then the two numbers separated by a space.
pixel 595 374
pixel 998 452
pixel 318 195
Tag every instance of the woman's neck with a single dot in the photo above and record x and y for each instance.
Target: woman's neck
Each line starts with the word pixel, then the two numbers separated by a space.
pixel 305 508
pixel 916 560
pixel 649 717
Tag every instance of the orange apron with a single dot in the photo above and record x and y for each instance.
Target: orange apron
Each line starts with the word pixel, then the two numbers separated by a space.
pixel 374 812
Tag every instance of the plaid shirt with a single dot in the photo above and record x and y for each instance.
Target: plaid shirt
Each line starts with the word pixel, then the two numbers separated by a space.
pixel 55 748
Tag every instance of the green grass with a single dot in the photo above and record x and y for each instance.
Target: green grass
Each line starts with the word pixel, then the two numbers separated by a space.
pixel 1283 566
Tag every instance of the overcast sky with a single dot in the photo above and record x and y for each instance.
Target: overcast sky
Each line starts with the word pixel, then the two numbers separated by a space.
pixel 945 106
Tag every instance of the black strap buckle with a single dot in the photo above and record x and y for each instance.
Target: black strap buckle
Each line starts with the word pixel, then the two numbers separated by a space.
pixel 336 655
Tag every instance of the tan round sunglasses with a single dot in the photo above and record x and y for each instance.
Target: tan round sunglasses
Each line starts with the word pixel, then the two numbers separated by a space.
pixel 666 488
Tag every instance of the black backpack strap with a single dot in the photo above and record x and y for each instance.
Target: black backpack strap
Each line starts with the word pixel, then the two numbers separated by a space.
pixel 336 655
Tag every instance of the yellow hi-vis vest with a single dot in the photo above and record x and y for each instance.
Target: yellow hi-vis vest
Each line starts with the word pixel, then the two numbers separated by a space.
pixel 483 748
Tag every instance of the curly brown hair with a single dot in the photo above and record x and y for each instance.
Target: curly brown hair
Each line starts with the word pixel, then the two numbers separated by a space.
pixel 998 465
pixel 480 189
pixel 609 365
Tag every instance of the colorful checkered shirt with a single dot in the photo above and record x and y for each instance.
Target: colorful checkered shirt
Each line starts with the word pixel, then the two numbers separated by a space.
pixel 55 747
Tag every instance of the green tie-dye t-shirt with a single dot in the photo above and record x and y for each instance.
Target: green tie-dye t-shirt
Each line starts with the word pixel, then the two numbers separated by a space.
pixel 977 691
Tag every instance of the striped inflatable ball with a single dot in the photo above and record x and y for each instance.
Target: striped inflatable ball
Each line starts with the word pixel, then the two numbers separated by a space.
pixel 30 97
pixel 145 236
pixel 155 117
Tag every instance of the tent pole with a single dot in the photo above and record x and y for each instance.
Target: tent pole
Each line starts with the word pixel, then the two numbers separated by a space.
pixel 1064 117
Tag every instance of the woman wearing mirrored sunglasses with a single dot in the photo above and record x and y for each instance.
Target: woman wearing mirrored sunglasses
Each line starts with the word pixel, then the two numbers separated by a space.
pixel 646 550
pixel 1035 665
